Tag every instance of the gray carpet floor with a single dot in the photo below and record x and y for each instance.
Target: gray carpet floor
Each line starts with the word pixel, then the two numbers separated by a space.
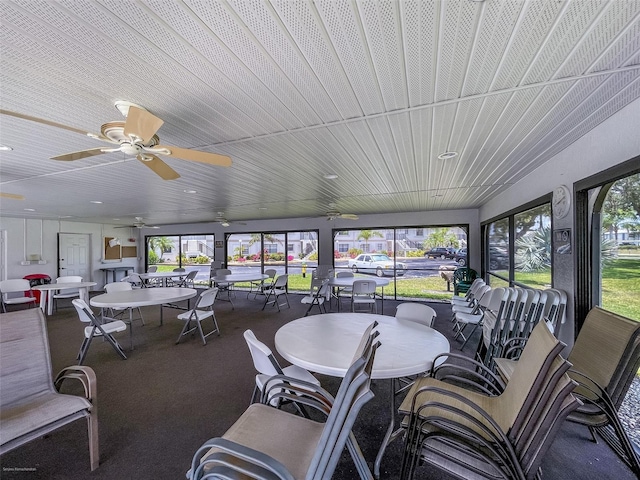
pixel 158 406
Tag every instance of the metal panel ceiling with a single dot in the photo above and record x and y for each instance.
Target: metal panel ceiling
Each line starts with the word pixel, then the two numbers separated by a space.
pixel 369 90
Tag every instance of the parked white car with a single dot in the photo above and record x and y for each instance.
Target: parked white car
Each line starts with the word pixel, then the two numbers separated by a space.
pixel 377 263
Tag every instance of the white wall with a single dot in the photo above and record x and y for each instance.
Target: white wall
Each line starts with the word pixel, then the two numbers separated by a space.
pixel 34 236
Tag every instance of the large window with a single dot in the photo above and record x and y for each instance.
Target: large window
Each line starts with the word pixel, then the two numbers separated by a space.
pixel 517 247
pixel 616 248
pixel 415 260
pixel 191 252
pixel 293 253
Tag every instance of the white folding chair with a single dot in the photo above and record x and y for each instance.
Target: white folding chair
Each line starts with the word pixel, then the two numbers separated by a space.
pixel 202 311
pixel 364 293
pixel 16 291
pixel 278 289
pixel 117 312
pixel 267 365
pixel 317 295
pixel 96 328
pixel 67 292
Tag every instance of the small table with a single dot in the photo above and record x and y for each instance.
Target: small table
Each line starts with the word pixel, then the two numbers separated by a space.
pixel 48 290
pixel 326 343
pixel 239 278
pixel 348 282
pixel 114 271
pixel 143 297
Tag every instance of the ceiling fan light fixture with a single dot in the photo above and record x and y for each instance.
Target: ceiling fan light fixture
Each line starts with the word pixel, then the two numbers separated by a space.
pixel 447 155
pixel 123 107
pixel 224 223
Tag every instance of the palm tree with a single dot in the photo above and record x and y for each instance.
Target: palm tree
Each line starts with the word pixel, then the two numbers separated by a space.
pixel 161 244
pixel 366 235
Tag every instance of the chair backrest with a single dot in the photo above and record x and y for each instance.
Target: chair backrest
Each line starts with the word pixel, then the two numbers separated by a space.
pixel 69 278
pixel 532 368
pixel 416 312
pixel 179 269
pixel 223 271
pixel 263 359
pixel 152 269
pixel 188 280
pixel 84 311
pixel 606 350
pixel 364 287
pixel 281 281
pixel 117 287
pixel 134 280
pixel 272 272
pixel 25 362
pixel 14 285
pixel 207 298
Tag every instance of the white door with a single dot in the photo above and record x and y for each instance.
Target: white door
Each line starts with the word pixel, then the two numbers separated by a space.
pixel 73 255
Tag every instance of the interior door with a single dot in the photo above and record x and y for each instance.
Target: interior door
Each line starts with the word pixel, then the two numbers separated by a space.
pixel 73 255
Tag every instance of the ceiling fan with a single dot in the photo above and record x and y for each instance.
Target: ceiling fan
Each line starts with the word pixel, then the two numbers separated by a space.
pixel 222 220
pixel 137 224
pixel 135 137
pixel 333 213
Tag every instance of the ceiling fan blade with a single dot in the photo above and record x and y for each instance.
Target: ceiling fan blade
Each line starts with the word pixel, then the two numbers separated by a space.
pixel 46 122
pixel 78 155
pixel 198 156
pixel 142 124
pixel 14 196
pixel 349 216
pixel 158 166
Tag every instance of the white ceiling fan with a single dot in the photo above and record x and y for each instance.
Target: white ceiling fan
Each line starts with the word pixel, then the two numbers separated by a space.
pixel 222 220
pixel 139 223
pixel 334 213
pixel 136 136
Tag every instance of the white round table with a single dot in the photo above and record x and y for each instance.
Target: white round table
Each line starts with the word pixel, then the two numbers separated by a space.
pixel 48 290
pixel 142 297
pixel 326 344
pixel 339 282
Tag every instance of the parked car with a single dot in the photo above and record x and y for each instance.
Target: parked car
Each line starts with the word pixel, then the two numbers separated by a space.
pixel 498 258
pixel 460 257
pixel 440 252
pixel 377 263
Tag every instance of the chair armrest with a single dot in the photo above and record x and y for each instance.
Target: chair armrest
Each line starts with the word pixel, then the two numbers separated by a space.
pixel 477 375
pixel 233 457
pixel 299 391
pixel 84 374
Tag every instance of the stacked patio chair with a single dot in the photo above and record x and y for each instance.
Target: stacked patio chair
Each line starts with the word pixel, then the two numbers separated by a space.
pixel 475 434
pixel 605 358
pixel 269 443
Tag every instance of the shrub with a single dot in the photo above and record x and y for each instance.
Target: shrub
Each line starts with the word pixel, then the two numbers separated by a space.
pixel 289 257
pixel 313 256
pixel 354 252
pixel 152 257
pixel 202 259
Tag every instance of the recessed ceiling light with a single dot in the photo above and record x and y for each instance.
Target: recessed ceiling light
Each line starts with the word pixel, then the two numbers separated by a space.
pixel 5 148
pixel 190 191
pixel 262 208
pixel 331 176
pixel 447 155
pixel 95 201
pixel 29 209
